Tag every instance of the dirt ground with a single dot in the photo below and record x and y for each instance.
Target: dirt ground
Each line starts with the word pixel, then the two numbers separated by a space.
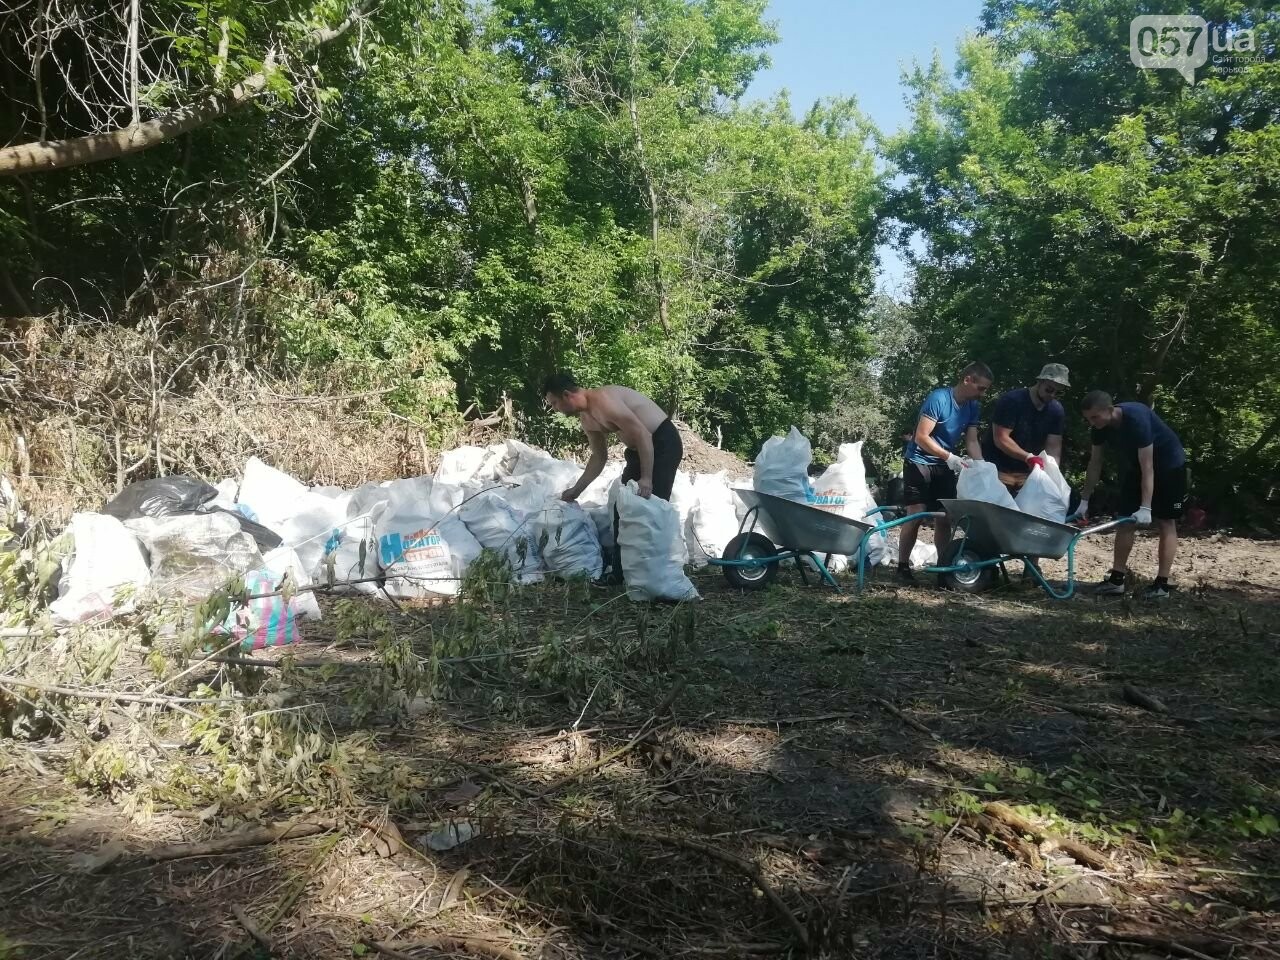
pixel 794 772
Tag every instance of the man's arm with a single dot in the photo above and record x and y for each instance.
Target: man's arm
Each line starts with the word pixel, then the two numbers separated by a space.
pixel 1053 446
pixel 1146 463
pixel 971 443
pixel 924 438
pixel 599 456
pixel 1094 473
pixel 1004 440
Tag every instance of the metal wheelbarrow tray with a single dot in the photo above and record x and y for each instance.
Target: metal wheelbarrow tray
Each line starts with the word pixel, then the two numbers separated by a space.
pixel 776 529
pixel 986 536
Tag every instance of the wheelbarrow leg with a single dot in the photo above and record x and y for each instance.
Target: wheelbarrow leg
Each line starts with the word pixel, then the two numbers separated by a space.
pixel 822 568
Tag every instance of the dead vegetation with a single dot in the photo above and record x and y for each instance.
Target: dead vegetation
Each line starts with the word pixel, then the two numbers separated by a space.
pixel 556 772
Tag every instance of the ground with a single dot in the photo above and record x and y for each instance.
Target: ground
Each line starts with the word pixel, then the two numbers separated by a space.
pixel 790 772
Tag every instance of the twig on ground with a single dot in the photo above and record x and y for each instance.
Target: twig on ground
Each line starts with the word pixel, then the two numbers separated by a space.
pixel 252 928
pixel 1144 700
pixel 1078 851
pixel 750 869
pixel 255 836
pixel 914 724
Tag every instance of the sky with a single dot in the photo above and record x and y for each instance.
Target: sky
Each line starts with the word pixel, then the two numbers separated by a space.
pixel 859 48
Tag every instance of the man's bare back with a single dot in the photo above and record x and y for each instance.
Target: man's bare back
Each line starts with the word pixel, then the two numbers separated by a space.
pixel 603 409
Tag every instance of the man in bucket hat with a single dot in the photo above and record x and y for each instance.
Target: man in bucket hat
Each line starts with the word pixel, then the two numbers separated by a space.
pixel 1024 423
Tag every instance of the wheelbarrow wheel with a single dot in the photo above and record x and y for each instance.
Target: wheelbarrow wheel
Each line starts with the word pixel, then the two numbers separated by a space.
pixel 957 553
pixel 751 546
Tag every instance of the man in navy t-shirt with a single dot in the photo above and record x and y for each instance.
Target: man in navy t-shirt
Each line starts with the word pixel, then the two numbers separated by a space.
pixel 1153 482
pixel 931 464
pixel 1025 423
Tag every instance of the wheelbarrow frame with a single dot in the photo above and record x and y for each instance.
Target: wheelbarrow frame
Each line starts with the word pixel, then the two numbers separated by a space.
pixel 795 530
pixel 994 543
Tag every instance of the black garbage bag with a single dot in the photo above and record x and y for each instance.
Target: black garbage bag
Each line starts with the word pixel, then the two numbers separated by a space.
pixel 161 497
pixel 177 495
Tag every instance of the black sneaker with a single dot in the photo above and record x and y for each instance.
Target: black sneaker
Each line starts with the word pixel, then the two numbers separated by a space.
pixel 1109 588
pixel 906 575
pixel 1157 591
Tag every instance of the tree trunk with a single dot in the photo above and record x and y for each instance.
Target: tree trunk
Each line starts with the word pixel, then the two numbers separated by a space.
pixel 659 284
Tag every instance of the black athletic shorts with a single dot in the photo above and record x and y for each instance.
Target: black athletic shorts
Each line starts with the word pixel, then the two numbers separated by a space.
pixel 927 484
pixel 668 451
pixel 1167 498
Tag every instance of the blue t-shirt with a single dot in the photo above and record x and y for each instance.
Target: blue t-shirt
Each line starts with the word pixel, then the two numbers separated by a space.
pixel 1029 427
pixel 1141 427
pixel 953 420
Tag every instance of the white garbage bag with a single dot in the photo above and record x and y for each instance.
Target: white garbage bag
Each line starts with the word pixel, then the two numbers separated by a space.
pixel 423 548
pixel 683 500
pixel 922 554
pixel 105 561
pixel 462 465
pixel 597 500
pixel 782 467
pixel 195 555
pixel 268 495
pixel 713 521
pixel 500 526
pixel 311 528
pixel 1046 494
pixel 523 461
pixel 652 548
pixel 567 540
pixel 842 489
pixel 351 549
pixel 276 563
pixel 226 498
pixel 981 481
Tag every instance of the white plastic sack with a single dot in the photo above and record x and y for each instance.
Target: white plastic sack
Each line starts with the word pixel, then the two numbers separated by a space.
pixel 105 559
pixel 194 555
pixel 462 465
pixel 226 498
pixel 423 550
pixel 268 495
pixel 782 467
pixel 502 527
pixel 922 555
pixel 597 500
pixel 713 521
pixel 683 500
pixel 282 560
pixel 311 528
pixel 351 549
pixel 981 481
pixel 652 548
pixel 567 540
pixel 1045 494
pixel 523 461
pixel 842 489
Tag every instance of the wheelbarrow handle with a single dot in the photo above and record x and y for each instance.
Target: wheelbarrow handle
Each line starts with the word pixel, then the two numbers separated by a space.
pixel 1104 527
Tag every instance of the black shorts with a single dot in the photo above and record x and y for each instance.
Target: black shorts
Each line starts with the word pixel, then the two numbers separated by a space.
pixel 1167 498
pixel 927 484
pixel 668 451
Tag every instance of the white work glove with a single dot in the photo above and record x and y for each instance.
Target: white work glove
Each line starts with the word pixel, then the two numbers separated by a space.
pixel 1143 516
pixel 1080 513
pixel 956 463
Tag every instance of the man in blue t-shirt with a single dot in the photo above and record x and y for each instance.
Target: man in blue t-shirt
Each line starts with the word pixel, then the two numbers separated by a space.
pixel 1153 482
pixel 930 463
pixel 1025 423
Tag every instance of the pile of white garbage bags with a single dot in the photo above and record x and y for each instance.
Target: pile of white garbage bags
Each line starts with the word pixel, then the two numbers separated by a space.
pixel 417 538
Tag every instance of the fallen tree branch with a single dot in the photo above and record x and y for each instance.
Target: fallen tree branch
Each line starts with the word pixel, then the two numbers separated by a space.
pixel 1144 700
pixel 645 733
pixel 913 724
pixel 1194 945
pixel 252 928
pixel 1080 852
pixel 744 866
pixel 255 836
pixel 447 944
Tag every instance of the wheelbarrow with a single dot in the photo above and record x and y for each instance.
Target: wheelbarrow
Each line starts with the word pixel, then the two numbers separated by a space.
pixel 986 536
pixel 776 529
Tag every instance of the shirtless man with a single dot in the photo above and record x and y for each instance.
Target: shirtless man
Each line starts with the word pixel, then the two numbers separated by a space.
pixel 653 451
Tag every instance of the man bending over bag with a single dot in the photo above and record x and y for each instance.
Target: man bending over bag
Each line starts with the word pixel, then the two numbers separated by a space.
pixel 654 450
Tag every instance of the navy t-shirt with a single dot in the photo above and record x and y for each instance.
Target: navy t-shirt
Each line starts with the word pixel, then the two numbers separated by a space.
pixel 1141 427
pixel 953 420
pixel 1030 427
